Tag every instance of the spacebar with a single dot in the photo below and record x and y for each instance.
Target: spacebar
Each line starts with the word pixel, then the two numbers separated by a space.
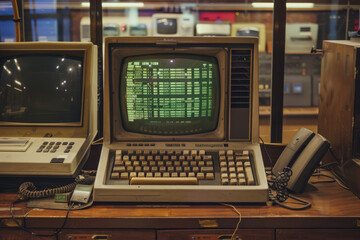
pixel 163 181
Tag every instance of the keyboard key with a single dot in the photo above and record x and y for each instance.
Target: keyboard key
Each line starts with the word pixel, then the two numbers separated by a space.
pixel 132 175
pixel 231 164
pixel 164 181
pixel 124 175
pixel 207 169
pixel 233 181
pixel 200 176
pixel 242 181
pixel 119 169
pixel 249 176
pixel 202 153
pixel 223 170
pixel 240 169
pixel 114 175
pixel 209 176
pixel 224 181
pixel 232 175
pixel 224 175
pixel 136 163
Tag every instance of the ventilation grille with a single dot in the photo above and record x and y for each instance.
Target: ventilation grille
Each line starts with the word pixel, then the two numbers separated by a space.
pixel 240 78
pixel 86 31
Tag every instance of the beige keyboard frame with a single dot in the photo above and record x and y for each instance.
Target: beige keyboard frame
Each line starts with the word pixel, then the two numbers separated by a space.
pixel 181 193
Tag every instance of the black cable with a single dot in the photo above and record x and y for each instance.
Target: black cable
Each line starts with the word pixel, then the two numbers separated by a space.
pixel 55 234
pixel 267 153
pixel 323 181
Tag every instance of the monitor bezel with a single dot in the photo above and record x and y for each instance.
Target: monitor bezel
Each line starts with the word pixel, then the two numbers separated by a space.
pixel 71 129
pixel 118 53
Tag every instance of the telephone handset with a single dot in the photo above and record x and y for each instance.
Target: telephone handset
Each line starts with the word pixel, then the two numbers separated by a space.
pixel 302 155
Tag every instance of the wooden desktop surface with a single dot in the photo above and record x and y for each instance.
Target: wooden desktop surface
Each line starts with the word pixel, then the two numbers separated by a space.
pixel 333 207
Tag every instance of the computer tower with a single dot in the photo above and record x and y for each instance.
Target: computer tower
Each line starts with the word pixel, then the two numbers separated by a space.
pixel 339 108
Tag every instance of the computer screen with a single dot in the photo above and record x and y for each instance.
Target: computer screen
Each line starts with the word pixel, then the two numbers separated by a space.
pixel 169 94
pixel 166 25
pixel 41 88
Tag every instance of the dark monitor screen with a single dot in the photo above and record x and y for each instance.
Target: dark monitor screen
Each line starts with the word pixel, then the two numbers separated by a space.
pixel 166 25
pixel 170 94
pixel 41 88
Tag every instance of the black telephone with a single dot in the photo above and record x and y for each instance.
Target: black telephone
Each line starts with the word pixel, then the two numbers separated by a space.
pixel 303 154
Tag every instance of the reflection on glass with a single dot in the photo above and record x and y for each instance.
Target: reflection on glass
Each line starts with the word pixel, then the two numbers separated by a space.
pixel 39 89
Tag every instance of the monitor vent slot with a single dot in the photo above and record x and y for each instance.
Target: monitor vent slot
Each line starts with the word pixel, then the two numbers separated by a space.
pixel 86 31
pixel 240 78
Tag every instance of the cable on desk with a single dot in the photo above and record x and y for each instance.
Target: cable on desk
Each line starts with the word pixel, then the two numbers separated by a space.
pixel 237 226
pixel 54 234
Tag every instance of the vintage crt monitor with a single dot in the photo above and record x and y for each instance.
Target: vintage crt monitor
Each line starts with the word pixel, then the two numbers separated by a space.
pixel 300 37
pixel 213 29
pixel 48 107
pixel 173 24
pixel 181 121
pixel 339 108
pixel 250 29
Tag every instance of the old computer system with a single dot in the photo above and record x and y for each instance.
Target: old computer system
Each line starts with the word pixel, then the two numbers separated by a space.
pixel 48 107
pixel 181 121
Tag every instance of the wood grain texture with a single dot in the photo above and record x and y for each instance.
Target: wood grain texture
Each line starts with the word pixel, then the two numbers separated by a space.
pixel 319 234
pixel 332 207
pixel 212 234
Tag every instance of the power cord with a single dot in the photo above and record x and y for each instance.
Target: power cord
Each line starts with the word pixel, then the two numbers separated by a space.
pixel 237 225
pixel 54 234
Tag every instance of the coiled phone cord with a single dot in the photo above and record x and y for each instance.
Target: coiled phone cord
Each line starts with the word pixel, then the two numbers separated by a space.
pixel 27 190
pixel 279 184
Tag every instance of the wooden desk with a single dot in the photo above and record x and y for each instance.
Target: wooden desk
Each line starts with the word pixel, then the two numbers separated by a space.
pixel 335 214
